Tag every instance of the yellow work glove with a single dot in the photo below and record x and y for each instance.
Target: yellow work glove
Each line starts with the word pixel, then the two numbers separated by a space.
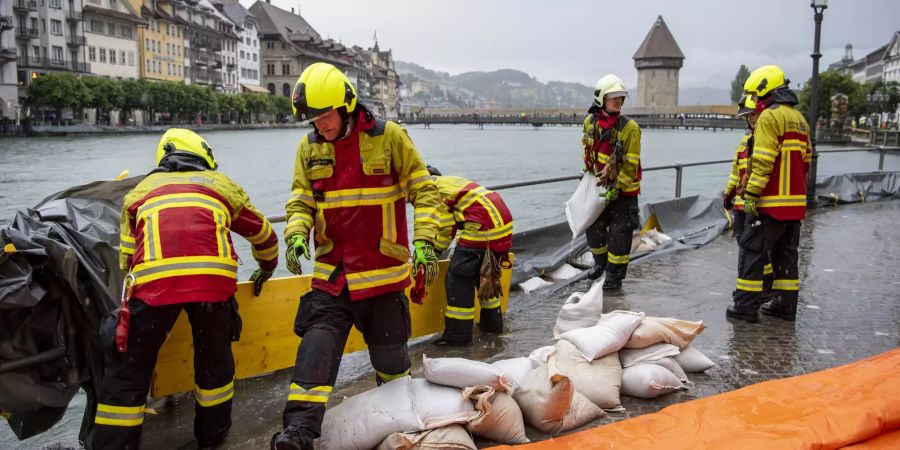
pixel 750 201
pixel 425 256
pixel 296 246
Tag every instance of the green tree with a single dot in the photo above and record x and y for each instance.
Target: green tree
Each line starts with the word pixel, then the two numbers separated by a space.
pixel 58 91
pixel 889 90
pixel 831 83
pixel 258 104
pixel 106 94
pixel 737 85
pixel 283 106
pixel 134 96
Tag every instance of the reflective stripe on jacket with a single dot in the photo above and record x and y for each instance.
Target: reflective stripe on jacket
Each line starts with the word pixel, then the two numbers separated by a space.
pixel 738 171
pixel 353 194
pixel 176 236
pixel 480 216
pixel 780 160
pixel 599 150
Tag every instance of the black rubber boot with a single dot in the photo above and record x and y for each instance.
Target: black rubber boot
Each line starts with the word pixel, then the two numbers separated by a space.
pixel 210 444
pixel 450 342
pixel 292 438
pixel 742 313
pixel 785 310
pixel 594 273
pixel 491 321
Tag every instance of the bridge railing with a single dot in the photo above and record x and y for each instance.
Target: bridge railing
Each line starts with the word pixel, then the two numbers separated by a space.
pixel 677 167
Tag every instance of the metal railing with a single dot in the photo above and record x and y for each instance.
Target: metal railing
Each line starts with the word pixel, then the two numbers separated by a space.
pixel 677 167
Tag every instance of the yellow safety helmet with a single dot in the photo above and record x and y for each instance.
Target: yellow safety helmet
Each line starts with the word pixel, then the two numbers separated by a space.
pixel 746 105
pixel 180 140
pixel 610 86
pixel 322 88
pixel 764 80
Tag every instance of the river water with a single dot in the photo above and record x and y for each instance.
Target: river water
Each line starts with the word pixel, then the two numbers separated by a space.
pixel 262 161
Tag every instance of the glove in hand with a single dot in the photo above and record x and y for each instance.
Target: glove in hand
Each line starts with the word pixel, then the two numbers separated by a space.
pixel 296 246
pixel 425 256
pixel 259 278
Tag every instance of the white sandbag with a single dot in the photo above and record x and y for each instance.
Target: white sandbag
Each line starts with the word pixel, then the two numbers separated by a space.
pixel 585 205
pixel 633 356
pixel 654 330
pixel 515 368
pixel 544 399
pixel 501 418
pixel 461 372
pixel 446 438
pixel 580 412
pixel 541 355
pixel 404 404
pixel 364 420
pixel 648 381
pixel 609 334
pixel 581 310
pixel 563 272
pixel 671 365
pixel 692 360
pixel 534 283
pixel 598 380
pixel 439 406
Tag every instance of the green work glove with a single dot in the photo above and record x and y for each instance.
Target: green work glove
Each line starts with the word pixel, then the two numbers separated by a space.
pixel 611 195
pixel 258 278
pixel 750 204
pixel 425 256
pixel 296 246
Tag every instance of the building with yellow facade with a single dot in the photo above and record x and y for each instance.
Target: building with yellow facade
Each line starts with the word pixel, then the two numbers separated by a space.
pixel 161 43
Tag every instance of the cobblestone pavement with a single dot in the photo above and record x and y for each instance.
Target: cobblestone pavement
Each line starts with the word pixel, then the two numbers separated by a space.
pixel 849 309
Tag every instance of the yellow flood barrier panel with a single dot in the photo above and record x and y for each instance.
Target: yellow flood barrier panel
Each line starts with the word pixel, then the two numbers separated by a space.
pixel 268 342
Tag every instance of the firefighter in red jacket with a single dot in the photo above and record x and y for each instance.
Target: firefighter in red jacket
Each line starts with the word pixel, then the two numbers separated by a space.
pixel 176 244
pixel 612 152
pixel 352 177
pixel 774 198
pixel 737 182
pixel 483 223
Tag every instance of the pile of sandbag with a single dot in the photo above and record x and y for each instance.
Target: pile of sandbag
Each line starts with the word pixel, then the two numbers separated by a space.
pixel 596 358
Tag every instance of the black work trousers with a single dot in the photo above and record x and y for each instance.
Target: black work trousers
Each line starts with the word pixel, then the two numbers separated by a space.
pixel 460 284
pixel 764 238
pixel 126 376
pixel 740 219
pixel 323 323
pixel 610 235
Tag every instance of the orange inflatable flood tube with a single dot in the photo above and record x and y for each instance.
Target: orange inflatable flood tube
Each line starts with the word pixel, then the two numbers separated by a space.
pixel 830 409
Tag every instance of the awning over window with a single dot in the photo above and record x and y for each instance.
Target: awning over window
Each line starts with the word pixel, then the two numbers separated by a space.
pixel 254 88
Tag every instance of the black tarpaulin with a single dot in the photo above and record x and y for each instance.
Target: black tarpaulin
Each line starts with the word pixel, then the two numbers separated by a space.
pixel 58 280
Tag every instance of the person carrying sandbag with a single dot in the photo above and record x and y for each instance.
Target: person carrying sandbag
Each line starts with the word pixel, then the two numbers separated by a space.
pixel 484 226
pixel 612 152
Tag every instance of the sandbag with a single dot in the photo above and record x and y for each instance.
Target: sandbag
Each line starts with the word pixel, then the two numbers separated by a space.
pixel 598 380
pixel 404 404
pixel 450 437
pixel 633 356
pixel 648 381
pixel 544 399
pixel 580 412
pixel 540 355
pixel 654 330
pixel 461 372
pixel 671 365
pixel 581 310
pixel 515 368
pixel 501 418
pixel 692 360
pixel 585 205
pixel 609 334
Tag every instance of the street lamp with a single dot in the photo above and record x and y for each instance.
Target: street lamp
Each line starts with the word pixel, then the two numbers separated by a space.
pixel 819 7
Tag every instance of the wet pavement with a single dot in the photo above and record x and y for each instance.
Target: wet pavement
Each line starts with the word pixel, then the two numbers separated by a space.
pixel 849 309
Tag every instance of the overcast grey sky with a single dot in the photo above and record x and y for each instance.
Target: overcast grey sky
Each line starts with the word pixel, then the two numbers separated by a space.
pixel 582 40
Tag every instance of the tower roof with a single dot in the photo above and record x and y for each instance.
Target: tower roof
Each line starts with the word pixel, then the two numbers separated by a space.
pixel 659 43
